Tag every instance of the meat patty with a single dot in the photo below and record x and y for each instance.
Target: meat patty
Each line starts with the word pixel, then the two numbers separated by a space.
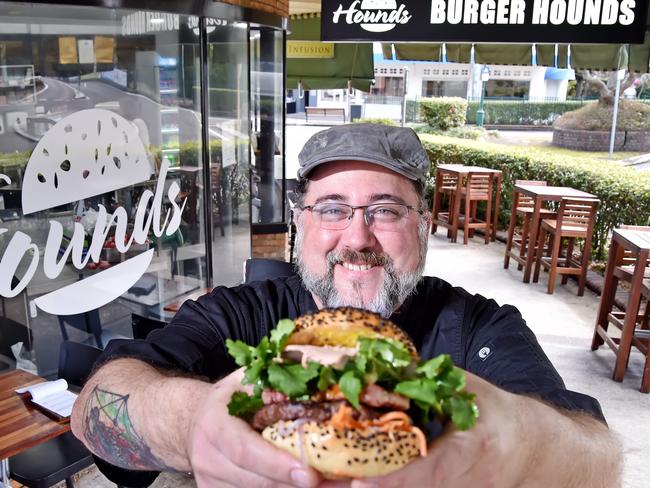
pixel 314 411
pixel 371 395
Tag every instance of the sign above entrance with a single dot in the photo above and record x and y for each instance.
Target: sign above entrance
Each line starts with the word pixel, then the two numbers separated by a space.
pixel 542 21
pixel 310 50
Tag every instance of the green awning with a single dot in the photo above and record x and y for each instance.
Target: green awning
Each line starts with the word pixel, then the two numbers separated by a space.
pixel 351 62
pixel 583 56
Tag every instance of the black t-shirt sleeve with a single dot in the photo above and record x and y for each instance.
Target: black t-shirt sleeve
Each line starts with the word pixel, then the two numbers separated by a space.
pixel 502 349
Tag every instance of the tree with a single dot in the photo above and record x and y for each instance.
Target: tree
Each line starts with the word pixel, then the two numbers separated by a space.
pixel 606 89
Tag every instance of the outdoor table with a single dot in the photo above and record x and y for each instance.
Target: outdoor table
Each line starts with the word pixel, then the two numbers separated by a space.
pixel 22 425
pixel 638 242
pixel 541 194
pixel 461 172
pixel 173 306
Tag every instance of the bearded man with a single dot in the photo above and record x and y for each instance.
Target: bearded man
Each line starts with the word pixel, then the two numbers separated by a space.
pixel 362 237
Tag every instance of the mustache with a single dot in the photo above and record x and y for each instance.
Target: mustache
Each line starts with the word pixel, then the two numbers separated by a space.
pixel 371 258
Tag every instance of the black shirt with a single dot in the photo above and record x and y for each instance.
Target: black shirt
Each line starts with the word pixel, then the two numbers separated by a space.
pixel 490 341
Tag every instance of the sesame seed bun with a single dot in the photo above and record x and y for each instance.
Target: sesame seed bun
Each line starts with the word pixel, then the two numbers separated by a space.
pixel 343 326
pixel 344 453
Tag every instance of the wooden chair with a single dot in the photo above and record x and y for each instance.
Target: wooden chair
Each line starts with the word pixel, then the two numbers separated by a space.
pixel 522 206
pixel 478 188
pixel 576 218
pixel 643 336
pixel 448 188
pixel 622 262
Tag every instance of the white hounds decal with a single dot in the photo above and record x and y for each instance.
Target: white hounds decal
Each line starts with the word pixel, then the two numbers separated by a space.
pixel 86 154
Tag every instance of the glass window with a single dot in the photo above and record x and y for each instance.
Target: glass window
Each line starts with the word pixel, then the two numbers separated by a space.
pixel 229 148
pixel 267 98
pixel 102 201
pixel 392 86
pixel 435 88
pixel 507 88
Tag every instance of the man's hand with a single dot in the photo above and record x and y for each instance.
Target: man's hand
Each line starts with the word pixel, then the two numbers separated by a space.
pixel 517 441
pixel 224 451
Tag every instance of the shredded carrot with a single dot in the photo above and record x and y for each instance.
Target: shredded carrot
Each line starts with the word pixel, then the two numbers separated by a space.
pixel 422 439
pixel 393 416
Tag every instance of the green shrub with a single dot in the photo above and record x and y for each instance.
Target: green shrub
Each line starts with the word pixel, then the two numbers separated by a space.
pixel 624 193
pixel 444 112
pixel 459 132
pixel 521 112
pixel 375 121
pixel 632 115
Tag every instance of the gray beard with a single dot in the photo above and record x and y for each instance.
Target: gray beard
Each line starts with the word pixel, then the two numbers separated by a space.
pixel 395 289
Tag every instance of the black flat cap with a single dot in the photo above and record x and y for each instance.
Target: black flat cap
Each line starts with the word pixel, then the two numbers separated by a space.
pixel 396 148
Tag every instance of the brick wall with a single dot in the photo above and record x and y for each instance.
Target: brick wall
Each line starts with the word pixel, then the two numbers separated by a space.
pixel 270 246
pixel 587 140
pixel 278 7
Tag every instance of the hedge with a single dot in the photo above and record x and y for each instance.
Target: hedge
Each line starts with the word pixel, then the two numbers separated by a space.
pixel 507 112
pixel 624 193
pixel 444 112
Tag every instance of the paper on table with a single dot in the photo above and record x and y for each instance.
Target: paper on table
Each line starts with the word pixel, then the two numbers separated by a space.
pixel 53 396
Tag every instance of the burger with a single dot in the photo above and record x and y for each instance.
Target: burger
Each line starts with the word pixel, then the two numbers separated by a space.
pixel 345 391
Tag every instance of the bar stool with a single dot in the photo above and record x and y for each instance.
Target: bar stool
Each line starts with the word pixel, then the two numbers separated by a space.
pixel 449 186
pixel 628 262
pixel 522 206
pixel 576 218
pixel 478 188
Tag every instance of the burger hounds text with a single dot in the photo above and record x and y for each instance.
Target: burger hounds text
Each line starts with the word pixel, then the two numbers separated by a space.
pixel 501 12
pixel 147 216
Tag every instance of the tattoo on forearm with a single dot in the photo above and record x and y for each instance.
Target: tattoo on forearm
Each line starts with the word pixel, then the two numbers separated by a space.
pixel 111 433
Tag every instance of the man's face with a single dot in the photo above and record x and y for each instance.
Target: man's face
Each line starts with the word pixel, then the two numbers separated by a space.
pixel 360 266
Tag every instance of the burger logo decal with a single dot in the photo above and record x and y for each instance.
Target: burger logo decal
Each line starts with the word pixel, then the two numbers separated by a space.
pixel 86 154
pixel 373 15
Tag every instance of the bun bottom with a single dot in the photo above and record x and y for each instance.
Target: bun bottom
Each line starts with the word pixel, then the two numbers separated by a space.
pixel 344 453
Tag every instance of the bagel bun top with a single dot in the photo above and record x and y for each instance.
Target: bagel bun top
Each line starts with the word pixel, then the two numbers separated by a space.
pixel 343 326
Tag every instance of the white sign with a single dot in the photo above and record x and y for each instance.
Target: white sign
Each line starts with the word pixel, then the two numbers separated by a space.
pixel 88 153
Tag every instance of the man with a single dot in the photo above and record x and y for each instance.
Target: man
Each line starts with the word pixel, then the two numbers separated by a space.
pixel 362 239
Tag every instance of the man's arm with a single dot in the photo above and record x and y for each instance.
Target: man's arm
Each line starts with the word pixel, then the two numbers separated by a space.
pixel 518 441
pixel 136 417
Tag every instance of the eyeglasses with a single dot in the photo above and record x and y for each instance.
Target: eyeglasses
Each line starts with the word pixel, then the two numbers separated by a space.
pixel 379 216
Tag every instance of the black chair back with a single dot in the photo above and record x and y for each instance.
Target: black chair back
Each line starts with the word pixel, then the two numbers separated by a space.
pixel 76 361
pixel 88 322
pixel 143 325
pixel 259 269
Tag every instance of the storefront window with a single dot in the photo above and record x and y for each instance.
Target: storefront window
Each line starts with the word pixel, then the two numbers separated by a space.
pixel 267 98
pixel 436 88
pixel 102 201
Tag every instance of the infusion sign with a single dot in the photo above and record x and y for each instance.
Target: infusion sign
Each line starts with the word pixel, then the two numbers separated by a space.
pixel 543 21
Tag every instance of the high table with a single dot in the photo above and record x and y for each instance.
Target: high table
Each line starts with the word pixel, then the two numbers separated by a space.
pixel 176 304
pixel 541 194
pixel 22 426
pixel 638 242
pixel 461 172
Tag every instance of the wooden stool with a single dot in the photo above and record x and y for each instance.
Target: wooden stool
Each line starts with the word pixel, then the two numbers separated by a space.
pixel 478 188
pixel 628 243
pixel 522 206
pixel 576 218
pixel 449 185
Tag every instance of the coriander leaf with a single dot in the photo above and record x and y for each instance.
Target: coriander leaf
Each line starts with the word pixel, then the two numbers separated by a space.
pixel 453 381
pixel 391 351
pixel 350 386
pixel 242 404
pixel 422 390
pixel 240 351
pixel 280 335
pixel 326 378
pixel 436 367
pixel 254 371
pixel 464 411
pixel 292 379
